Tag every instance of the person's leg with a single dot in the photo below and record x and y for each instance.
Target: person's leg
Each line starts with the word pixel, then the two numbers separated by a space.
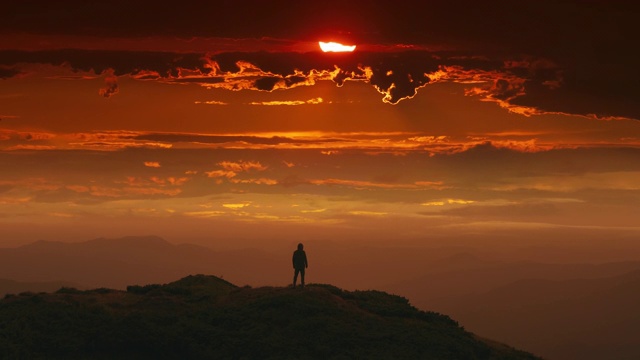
pixel 302 277
pixel 295 277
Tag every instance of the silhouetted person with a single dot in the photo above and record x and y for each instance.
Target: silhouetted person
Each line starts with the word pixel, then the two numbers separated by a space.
pixel 299 264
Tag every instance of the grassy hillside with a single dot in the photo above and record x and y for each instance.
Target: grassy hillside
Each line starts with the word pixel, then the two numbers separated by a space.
pixel 204 317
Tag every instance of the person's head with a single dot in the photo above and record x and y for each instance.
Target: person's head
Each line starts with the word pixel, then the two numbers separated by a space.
pixel 300 246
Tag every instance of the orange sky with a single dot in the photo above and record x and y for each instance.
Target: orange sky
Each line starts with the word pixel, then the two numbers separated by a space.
pixel 106 131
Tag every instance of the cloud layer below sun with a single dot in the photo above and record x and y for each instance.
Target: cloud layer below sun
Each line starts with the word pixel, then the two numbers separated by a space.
pixel 520 84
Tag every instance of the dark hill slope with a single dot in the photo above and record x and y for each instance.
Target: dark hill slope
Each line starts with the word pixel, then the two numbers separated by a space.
pixel 204 317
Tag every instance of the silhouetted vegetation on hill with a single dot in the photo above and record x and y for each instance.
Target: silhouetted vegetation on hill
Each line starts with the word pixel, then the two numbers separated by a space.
pixel 205 317
pixel 13 287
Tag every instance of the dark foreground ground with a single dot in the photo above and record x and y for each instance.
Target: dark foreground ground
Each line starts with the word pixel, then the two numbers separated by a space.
pixel 205 317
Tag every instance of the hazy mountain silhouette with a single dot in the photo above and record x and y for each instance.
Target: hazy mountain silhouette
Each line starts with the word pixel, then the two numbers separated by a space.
pixel 468 276
pixel 115 263
pixel 418 273
pixel 590 318
pixel 16 287
pixel 205 317
pixel 549 309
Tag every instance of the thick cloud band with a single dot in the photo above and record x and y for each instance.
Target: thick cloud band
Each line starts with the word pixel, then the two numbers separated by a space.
pixel 525 85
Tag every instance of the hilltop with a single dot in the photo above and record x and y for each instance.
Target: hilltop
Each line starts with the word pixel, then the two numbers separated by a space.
pixel 205 317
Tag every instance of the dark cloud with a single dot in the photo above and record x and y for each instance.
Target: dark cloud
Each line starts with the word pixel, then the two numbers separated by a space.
pixel 221 18
pixel 536 84
pixel 221 139
pixel 508 163
pixel 544 27
pixel 120 62
pixel 586 93
pixel 574 57
pixel 110 85
pixel 267 83
pixel 6 73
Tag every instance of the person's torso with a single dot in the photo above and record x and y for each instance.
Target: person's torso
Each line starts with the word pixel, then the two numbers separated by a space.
pixel 299 258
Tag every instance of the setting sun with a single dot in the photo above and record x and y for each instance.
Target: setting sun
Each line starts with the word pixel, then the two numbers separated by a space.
pixel 335 47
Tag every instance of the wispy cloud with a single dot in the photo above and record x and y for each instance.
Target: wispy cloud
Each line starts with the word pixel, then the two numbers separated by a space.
pixel 448 201
pixel 221 174
pixel 327 143
pixel 314 101
pixel 236 206
pixel 369 184
pixel 240 166
pixel 259 181
pixel 211 102
pixel 367 213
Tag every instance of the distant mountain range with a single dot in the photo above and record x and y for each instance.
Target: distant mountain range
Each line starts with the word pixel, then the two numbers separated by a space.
pixel 591 318
pixel 467 276
pixel 559 311
pixel 116 263
pixel 205 317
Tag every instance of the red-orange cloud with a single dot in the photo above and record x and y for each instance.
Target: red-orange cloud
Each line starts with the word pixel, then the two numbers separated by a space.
pixel 524 84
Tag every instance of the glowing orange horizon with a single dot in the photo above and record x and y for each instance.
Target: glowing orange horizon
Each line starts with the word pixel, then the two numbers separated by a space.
pixel 335 47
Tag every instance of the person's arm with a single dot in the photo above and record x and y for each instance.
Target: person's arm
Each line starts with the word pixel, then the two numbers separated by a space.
pixel 293 259
pixel 306 263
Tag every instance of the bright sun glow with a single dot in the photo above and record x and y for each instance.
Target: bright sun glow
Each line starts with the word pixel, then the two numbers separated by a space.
pixel 335 47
